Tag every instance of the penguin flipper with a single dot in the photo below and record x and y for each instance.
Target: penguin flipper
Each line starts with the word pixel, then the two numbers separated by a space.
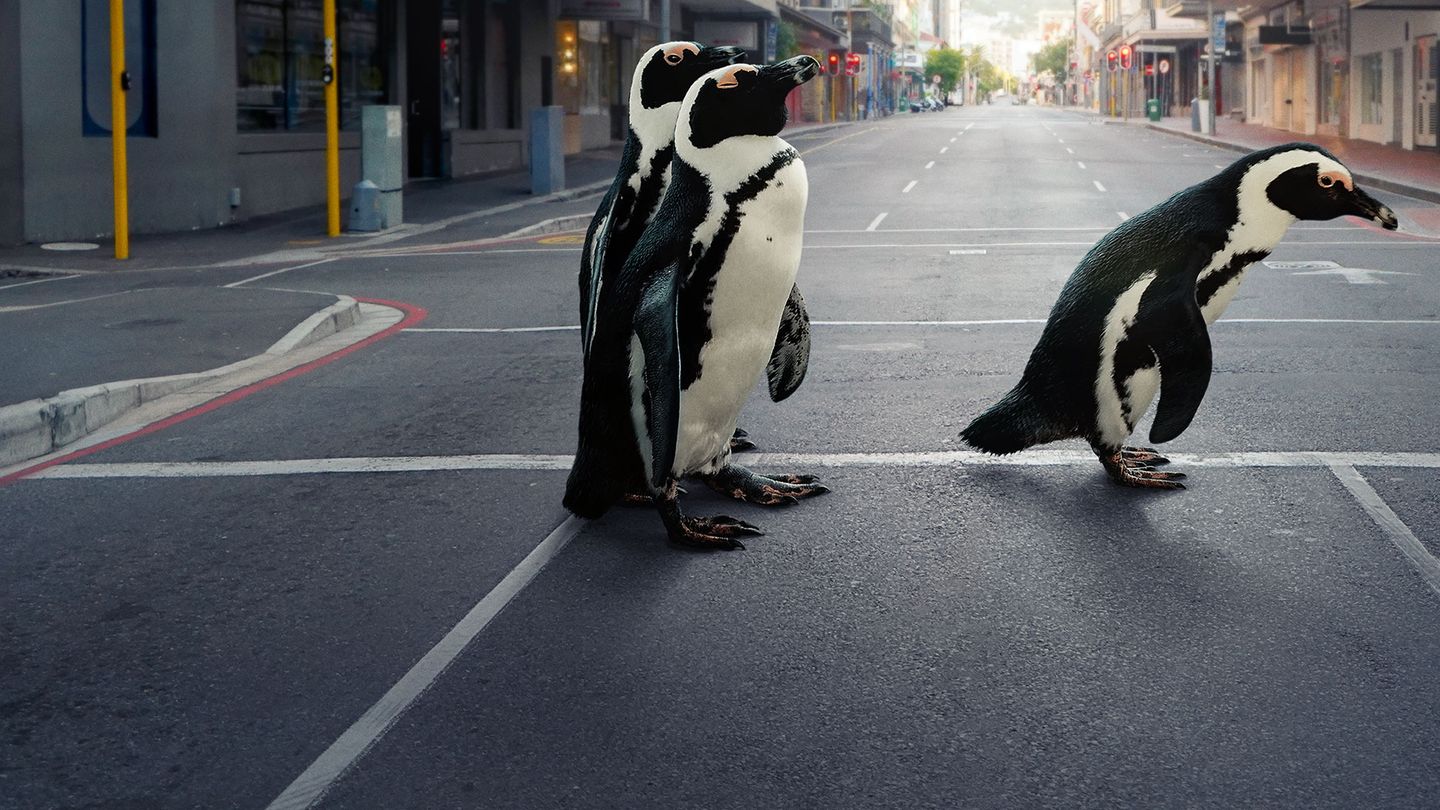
pixel 1181 342
pixel 592 264
pixel 658 331
pixel 790 358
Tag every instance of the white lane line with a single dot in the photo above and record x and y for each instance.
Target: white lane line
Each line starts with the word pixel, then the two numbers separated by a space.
pixel 930 165
pixel 47 305
pixel 1068 149
pixel 1062 140
pixel 948 245
pixel 37 281
pixel 952 140
pixel 324 772
pixel 1122 215
pixel 1219 165
pixel 281 270
pixel 944 149
pixel 909 186
pixel 875 223
pixel 1098 185
pixel 502 330
pixel 1395 529
pixel 996 229
pixel 559 463
pixel 968 252
pixel 967 126
pixel 1080 163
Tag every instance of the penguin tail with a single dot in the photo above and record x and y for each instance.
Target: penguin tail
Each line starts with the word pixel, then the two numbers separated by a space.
pixel 1009 426
pixel 593 487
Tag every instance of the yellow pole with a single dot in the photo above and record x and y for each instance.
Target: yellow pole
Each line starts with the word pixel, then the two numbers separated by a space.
pixel 332 125
pixel 117 130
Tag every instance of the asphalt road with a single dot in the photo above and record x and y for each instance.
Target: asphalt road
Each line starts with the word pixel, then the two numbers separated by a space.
pixel 364 575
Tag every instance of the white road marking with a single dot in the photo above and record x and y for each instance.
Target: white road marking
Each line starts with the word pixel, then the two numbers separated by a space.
pixel 37 281
pixel 930 165
pixel 952 140
pixel 1079 163
pixel 324 772
pixel 47 305
pixel 495 329
pixel 1062 140
pixel 875 223
pixel 996 229
pixel 1219 165
pixel 1395 529
pixel 967 126
pixel 909 186
pixel 1068 149
pixel 541 462
pixel 1098 185
pixel 968 252
pixel 501 330
pixel 1122 215
pixel 281 270
pixel 944 149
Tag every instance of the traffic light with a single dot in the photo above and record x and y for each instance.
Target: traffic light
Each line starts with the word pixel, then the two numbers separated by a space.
pixel 1111 60
pixel 833 65
pixel 1125 58
pixel 852 64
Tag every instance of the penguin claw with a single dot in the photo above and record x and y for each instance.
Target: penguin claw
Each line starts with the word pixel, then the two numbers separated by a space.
pixel 1128 467
pixel 1143 455
pixel 714 533
pixel 744 485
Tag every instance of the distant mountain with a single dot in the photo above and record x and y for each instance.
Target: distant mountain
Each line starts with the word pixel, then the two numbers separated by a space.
pixel 1017 18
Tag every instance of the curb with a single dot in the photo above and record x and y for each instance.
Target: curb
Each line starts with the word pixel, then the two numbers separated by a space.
pixel 40 426
pixel 1374 181
pixel 553 225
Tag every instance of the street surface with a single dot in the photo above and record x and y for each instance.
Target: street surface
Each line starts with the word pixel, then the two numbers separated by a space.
pixel 364 574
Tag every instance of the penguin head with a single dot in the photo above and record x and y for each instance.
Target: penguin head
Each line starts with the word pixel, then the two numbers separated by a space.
pixel 667 70
pixel 742 100
pixel 1308 182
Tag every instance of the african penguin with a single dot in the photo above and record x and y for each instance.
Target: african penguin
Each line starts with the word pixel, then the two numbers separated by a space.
pixel 661 77
pixel 689 323
pixel 1133 318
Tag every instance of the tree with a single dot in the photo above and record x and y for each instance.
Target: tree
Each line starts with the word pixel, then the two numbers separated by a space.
pixel 1054 58
pixel 948 64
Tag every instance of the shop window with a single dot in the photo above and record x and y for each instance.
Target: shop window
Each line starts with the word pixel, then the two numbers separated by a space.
pixel 1372 88
pixel 587 76
pixel 280 51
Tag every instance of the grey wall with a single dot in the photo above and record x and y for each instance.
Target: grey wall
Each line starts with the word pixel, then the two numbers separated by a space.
pixel 12 186
pixel 280 171
pixel 179 180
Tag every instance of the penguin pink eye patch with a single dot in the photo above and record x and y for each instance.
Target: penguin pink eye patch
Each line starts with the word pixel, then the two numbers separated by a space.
pixel 677 54
pixel 731 76
pixel 1330 178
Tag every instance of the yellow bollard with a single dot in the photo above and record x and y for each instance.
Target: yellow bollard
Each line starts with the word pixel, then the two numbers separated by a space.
pixel 332 124
pixel 117 130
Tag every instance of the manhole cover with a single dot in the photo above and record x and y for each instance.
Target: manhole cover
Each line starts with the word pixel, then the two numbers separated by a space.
pixel 69 246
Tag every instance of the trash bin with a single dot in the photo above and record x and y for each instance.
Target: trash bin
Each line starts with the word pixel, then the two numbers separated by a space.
pixel 1152 108
pixel 1194 115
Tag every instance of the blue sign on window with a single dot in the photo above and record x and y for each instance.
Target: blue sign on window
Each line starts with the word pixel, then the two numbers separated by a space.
pixel 1217 34
pixel 140 112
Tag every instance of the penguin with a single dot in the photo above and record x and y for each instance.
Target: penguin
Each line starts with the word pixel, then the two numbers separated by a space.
pixel 690 322
pixel 1133 318
pixel 661 77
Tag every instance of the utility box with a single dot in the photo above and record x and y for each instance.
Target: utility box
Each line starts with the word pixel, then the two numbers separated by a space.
pixel 382 161
pixel 365 207
pixel 547 150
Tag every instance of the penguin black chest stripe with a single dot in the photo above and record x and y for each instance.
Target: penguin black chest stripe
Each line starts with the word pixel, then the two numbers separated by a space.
pixel 635 207
pixel 705 262
pixel 1211 284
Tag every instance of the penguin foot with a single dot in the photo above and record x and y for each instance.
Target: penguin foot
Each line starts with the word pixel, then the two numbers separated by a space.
pixel 740 441
pixel 1143 455
pixel 1132 472
pixel 744 485
pixel 718 533
pixel 642 498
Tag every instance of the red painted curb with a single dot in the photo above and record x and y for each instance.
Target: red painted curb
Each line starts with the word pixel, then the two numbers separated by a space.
pixel 413 316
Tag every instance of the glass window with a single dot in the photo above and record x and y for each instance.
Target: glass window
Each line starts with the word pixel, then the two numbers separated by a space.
pixel 586 63
pixel 281 58
pixel 1372 84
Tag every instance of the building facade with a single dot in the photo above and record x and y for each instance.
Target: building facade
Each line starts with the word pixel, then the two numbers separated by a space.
pixel 226 100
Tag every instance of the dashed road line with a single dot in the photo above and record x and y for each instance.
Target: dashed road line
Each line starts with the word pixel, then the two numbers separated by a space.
pixel 243 282
pixel 37 281
pixel 909 186
pixel 1098 185
pixel 875 223
pixel 944 149
pixel 1122 215
pixel 1080 163
pixel 930 165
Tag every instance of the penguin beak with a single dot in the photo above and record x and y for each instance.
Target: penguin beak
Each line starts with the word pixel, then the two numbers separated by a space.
pixel 717 56
pixel 790 74
pixel 1367 207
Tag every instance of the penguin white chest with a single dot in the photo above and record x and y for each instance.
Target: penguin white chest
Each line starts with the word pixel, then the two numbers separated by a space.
pixel 744 309
pixel 1121 399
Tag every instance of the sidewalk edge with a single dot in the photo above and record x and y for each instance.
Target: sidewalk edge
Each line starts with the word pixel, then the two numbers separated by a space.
pixel 38 427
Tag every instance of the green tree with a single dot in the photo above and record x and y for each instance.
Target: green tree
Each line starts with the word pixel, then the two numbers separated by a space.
pixel 1055 59
pixel 946 63
pixel 786 45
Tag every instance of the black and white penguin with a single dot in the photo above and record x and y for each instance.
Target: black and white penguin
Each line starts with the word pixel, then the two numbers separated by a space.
pixel 662 76
pixel 1133 318
pixel 688 325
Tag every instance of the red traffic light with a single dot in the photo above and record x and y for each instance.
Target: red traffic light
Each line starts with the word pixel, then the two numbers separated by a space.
pixel 852 64
pixel 1111 60
pixel 1150 69
pixel 834 63
pixel 1125 57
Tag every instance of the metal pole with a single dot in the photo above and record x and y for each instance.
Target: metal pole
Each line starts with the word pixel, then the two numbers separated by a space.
pixel 120 168
pixel 332 125
pixel 664 20
pixel 1210 66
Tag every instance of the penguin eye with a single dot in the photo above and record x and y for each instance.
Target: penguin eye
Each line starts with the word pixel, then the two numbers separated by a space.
pixel 673 58
pixel 1326 181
